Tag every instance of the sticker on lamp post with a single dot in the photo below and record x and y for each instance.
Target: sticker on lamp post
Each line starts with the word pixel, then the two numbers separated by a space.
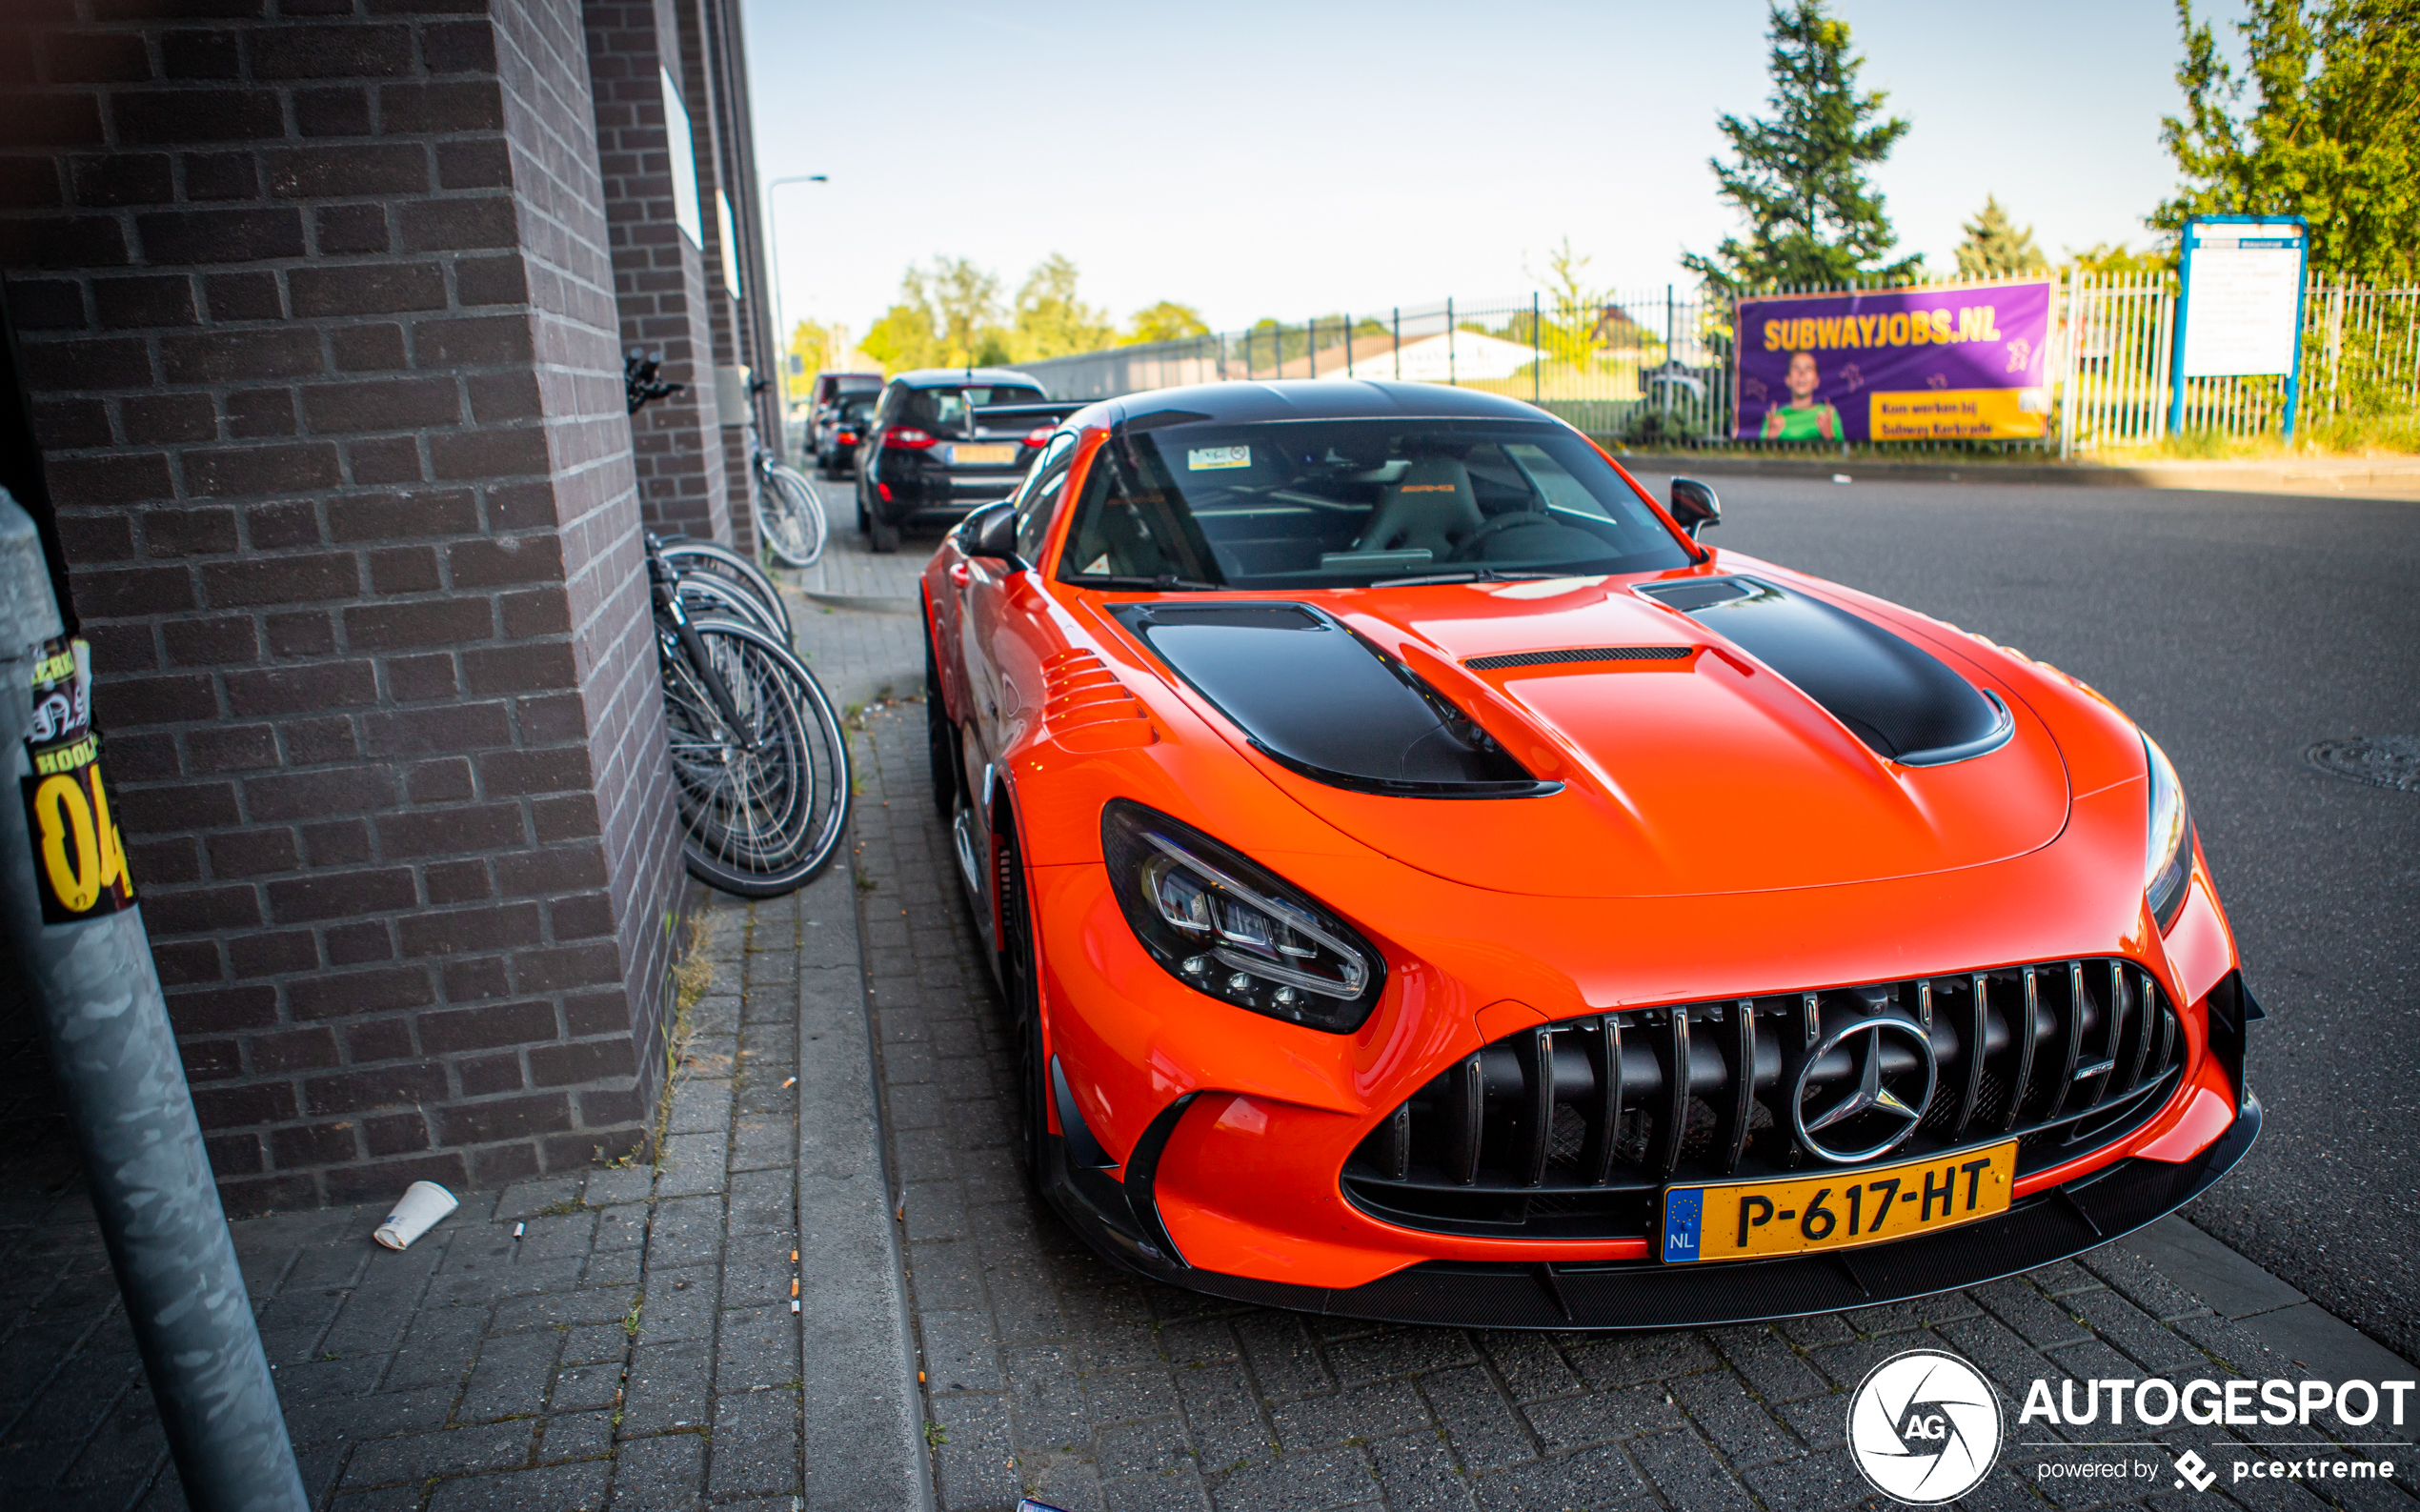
pixel 79 853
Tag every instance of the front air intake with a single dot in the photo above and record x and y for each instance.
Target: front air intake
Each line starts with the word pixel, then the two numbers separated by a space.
pixel 1568 1130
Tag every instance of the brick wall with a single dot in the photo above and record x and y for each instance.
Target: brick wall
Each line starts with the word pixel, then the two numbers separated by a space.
pixel 660 276
pixel 318 324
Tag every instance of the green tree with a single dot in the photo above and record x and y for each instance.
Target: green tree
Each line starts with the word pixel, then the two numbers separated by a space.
pixel 903 339
pixel 1051 321
pixel 2333 135
pixel 1165 321
pixel 966 312
pixel 2110 259
pixel 1800 180
pixel 947 316
pixel 1574 308
pixel 815 348
pixel 1997 247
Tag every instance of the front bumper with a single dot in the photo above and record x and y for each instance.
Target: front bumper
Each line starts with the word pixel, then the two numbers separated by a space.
pixel 1236 1131
pixel 1120 1218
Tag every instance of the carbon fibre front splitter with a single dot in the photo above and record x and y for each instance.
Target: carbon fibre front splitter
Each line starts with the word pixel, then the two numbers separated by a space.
pixel 1121 1221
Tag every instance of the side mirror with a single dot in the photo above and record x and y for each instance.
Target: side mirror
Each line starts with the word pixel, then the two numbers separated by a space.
pixel 1694 506
pixel 991 531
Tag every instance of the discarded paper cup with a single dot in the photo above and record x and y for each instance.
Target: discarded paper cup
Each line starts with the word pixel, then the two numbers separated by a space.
pixel 423 1204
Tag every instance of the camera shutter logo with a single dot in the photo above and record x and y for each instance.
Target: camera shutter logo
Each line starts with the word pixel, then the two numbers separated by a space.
pixel 1924 1427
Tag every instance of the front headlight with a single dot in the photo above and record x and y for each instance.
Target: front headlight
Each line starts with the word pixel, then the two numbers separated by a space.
pixel 2168 858
pixel 1231 930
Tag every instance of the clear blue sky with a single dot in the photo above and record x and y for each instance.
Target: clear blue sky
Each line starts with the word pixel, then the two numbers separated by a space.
pixel 1255 158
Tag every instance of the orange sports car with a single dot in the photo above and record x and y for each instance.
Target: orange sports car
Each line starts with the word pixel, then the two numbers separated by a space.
pixel 1431 885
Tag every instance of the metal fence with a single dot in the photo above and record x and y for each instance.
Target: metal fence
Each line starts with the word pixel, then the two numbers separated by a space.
pixel 1630 366
pixel 2361 355
pixel 1653 368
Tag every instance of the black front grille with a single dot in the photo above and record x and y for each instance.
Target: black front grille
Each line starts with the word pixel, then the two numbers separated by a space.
pixel 1551 659
pixel 1567 1130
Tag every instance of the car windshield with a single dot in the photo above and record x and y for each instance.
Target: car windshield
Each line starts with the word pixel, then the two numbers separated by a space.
pixel 853 409
pixel 1345 503
pixel 943 410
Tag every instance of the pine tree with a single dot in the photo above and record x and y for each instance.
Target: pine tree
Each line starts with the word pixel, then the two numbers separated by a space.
pixel 1997 247
pixel 1799 181
pixel 2333 133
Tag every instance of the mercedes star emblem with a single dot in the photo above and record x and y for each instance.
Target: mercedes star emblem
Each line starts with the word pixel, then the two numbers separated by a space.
pixel 1870 1112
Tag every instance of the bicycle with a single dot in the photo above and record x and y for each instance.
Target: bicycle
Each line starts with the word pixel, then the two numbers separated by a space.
pixel 760 765
pixel 789 516
pixel 694 560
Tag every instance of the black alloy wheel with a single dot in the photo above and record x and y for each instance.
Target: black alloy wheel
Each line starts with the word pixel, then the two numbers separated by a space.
pixel 1018 974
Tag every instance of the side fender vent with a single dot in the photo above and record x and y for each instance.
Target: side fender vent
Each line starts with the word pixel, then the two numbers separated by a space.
pixel 1085 707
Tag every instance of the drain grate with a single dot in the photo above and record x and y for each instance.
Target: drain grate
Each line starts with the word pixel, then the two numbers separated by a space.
pixel 2386 760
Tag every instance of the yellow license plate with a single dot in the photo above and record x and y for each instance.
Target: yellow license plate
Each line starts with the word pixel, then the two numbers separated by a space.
pixel 963 455
pixel 1837 1209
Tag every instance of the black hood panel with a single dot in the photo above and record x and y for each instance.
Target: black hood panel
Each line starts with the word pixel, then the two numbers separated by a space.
pixel 1901 699
pixel 1319 699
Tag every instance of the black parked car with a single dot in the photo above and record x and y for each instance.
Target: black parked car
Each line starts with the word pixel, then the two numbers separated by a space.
pixel 825 396
pixel 929 455
pixel 836 432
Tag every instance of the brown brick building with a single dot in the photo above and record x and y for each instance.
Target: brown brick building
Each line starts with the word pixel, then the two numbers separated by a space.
pixel 319 310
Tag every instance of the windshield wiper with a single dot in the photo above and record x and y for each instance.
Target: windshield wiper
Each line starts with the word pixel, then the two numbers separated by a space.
pixel 1166 582
pixel 1476 575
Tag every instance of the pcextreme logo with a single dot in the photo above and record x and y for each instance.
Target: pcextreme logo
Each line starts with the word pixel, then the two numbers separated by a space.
pixel 1924 1427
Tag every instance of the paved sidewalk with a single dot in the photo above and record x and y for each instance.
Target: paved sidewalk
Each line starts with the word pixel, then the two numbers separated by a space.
pixel 868 644
pixel 622 1338
pixel 1051 1372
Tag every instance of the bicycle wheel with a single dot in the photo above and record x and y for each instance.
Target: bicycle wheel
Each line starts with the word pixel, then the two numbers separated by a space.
pixel 789 521
pixel 763 801
pixel 710 596
pixel 705 556
pixel 806 501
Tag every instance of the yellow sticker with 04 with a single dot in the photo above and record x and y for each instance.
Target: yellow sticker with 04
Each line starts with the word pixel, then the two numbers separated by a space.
pixel 1844 1209
pixel 79 855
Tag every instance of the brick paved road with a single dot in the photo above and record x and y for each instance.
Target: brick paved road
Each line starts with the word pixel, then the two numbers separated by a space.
pixel 1049 1371
pixel 631 1345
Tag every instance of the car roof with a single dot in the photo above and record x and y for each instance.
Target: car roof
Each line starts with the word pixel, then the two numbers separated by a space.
pixel 959 377
pixel 1310 400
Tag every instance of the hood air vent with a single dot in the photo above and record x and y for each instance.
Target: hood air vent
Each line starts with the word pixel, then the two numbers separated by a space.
pixel 1557 659
pixel 1319 699
pixel 1899 698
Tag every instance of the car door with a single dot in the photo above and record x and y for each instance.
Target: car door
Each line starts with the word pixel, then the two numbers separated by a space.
pixel 999 610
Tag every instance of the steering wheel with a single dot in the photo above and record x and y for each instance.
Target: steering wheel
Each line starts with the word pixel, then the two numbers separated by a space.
pixel 1519 519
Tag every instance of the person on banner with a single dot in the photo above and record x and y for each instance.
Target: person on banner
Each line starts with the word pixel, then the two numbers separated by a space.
pixel 1803 417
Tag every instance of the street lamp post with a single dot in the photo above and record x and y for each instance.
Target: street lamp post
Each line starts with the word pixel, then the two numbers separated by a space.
pixel 780 312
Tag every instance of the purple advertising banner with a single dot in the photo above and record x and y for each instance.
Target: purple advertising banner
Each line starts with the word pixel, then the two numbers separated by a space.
pixel 1962 362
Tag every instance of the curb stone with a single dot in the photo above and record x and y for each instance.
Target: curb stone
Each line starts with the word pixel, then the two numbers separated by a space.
pixel 864 1429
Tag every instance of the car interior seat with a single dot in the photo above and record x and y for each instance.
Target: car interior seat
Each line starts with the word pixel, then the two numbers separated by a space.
pixel 1430 506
